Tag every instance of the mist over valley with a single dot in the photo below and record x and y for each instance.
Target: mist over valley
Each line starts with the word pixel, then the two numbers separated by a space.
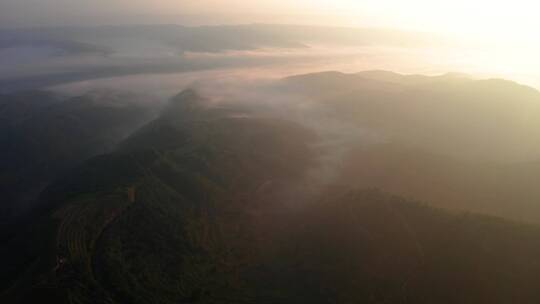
pixel 265 163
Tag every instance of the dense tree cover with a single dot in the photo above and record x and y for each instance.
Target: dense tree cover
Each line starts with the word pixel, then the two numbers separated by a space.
pixel 218 217
pixel 43 135
pixel 450 140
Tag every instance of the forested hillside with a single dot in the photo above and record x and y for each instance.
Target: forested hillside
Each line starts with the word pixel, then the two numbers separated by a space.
pixel 207 204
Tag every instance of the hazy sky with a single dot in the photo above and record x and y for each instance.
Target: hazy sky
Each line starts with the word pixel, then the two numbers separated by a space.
pixel 509 29
pixel 516 19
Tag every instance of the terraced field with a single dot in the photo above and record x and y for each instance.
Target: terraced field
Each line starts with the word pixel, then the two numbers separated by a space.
pixel 82 222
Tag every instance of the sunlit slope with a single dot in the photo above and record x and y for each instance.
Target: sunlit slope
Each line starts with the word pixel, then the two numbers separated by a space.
pixel 451 141
pixel 482 120
pixel 506 190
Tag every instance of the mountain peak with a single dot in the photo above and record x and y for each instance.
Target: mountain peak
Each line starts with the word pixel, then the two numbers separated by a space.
pixel 186 95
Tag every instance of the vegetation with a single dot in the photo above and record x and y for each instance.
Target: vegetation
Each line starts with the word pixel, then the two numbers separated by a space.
pixel 200 206
pixel 43 136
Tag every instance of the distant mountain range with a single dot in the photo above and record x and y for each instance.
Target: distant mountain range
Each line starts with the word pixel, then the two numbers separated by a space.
pixel 41 57
pixel 211 38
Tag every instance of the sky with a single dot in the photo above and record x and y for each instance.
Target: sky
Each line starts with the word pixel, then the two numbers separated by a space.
pixel 508 28
pixel 515 19
pixel 513 22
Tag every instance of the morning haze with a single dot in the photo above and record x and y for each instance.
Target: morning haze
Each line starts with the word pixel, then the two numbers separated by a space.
pixel 269 152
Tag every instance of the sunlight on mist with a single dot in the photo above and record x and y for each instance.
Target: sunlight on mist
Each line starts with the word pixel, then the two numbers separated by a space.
pixel 489 38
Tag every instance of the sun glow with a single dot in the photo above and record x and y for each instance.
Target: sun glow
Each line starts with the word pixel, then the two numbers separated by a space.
pixel 498 38
pixel 492 38
pixel 504 34
pixel 458 16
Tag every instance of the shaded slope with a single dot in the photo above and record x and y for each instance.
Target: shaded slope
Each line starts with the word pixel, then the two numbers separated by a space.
pixel 224 161
pixel 44 135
